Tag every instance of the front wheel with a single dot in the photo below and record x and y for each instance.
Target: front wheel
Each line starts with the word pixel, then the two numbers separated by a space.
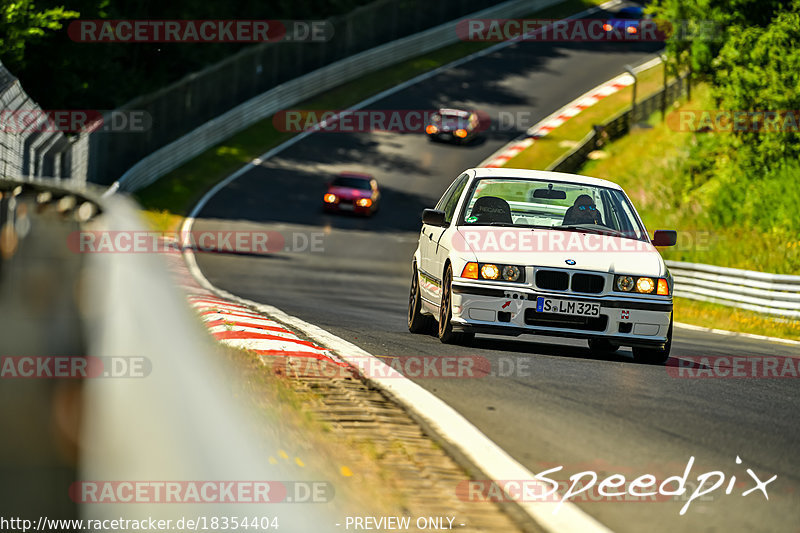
pixel 417 322
pixel 654 356
pixel 446 333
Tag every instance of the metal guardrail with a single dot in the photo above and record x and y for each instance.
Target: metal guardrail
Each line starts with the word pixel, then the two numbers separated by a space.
pixel 773 294
pixel 171 156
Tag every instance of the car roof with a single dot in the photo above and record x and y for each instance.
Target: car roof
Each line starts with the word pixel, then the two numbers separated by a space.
pixel 634 11
pixel 360 175
pixel 545 175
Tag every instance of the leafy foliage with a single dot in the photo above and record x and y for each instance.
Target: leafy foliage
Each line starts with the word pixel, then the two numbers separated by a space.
pixel 21 23
pixel 746 177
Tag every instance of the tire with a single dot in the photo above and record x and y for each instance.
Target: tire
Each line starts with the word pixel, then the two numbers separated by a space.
pixel 602 346
pixel 446 333
pixel 654 356
pixel 417 322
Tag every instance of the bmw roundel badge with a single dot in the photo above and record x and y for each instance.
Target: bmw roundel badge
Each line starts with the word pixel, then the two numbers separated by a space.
pixel 570 262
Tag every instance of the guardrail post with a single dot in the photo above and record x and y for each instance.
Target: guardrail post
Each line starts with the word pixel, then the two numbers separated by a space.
pixel 689 83
pixel 630 71
pixel 664 91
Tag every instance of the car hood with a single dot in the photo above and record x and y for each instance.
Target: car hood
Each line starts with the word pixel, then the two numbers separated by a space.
pixel 553 248
pixel 347 192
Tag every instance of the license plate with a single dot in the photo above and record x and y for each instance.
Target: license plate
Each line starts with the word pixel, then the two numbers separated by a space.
pixel 447 136
pixel 566 307
pixel 346 207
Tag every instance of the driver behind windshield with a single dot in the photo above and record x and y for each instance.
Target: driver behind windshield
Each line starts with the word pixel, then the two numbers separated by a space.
pixel 583 211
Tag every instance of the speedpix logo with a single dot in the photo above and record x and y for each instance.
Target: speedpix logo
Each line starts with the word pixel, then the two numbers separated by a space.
pixel 588 486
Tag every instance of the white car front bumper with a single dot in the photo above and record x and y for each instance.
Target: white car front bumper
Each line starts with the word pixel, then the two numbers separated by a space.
pixel 627 320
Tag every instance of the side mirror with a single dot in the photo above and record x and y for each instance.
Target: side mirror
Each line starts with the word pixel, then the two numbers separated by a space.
pixel 665 237
pixel 433 217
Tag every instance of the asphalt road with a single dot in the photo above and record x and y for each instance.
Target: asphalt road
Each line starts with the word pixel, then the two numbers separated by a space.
pixel 550 402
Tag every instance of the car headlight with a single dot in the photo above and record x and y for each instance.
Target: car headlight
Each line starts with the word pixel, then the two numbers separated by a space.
pixel 490 271
pixel 624 283
pixel 641 285
pixel 364 202
pixel 494 272
pixel 431 129
pixel 461 133
pixel 329 198
pixel 511 273
pixel 645 285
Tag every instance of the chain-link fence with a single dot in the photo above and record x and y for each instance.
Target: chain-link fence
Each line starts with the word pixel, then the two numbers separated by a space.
pixel 621 125
pixel 196 99
pixel 30 145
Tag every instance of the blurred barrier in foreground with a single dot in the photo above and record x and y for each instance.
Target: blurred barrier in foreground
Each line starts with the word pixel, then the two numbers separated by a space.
pixel 762 292
pixel 289 93
pixel 177 422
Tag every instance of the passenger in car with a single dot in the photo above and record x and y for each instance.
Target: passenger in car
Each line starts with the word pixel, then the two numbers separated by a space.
pixel 583 211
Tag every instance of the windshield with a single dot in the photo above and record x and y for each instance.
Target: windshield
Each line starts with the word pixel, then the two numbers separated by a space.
pixel 352 183
pixel 454 119
pixel 528 203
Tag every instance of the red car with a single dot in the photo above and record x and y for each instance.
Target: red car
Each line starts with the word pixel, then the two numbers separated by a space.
pixel 352 192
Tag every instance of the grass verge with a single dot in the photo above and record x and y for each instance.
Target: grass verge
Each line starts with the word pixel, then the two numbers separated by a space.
pixel 718 316
pixel 180 189
pixel 666 198
pixel 546 150
pixel 655 197
pixel 279 408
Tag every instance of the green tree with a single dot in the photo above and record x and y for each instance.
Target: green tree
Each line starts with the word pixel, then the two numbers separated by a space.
pixel 21 23
pixel 758 69
pixel 701 27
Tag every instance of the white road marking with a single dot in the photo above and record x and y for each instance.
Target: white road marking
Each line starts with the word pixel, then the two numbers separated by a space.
pixel 692 327
pixel 429 410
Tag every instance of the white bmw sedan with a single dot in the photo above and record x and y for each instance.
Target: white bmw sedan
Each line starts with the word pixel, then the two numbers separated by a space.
pixel 510 252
